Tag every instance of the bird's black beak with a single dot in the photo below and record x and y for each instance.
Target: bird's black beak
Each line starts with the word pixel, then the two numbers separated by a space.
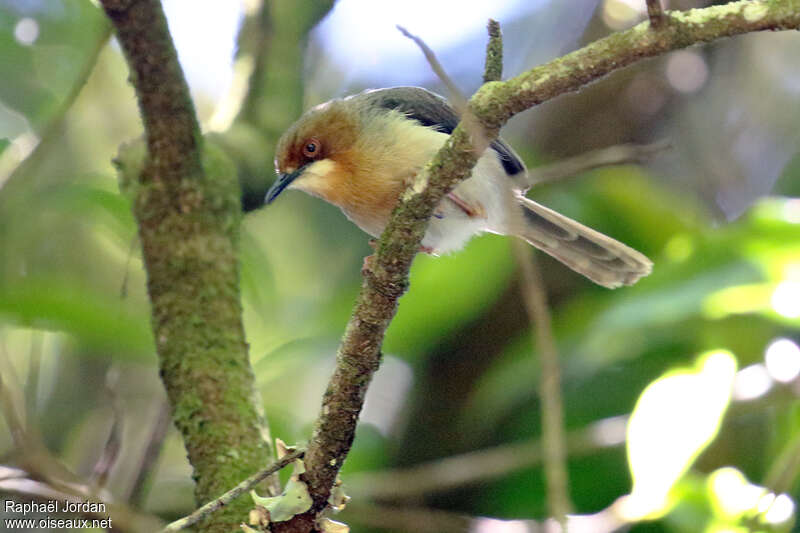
pixel 283 181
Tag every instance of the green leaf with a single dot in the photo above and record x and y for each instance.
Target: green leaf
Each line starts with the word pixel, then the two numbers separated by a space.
pixel 94 319
pixel 676 417
pixel 38 75
pixel 448 291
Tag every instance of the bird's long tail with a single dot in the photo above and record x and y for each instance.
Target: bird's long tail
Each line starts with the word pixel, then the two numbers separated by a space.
pixel 600 258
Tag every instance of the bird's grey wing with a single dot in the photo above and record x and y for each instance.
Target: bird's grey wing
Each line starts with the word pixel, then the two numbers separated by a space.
pixel 433 111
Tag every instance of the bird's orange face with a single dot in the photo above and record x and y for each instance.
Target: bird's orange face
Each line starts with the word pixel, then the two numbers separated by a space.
pixel 356 157
pixel 307 154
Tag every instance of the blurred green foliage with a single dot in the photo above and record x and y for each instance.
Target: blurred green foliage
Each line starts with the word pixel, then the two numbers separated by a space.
pixel 73 307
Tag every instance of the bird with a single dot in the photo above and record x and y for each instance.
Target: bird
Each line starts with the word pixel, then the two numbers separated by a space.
pixel 361 152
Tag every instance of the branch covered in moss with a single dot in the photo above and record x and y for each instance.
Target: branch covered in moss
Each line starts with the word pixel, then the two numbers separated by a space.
pixel 495 103
pixel 359 354
pixel 186 201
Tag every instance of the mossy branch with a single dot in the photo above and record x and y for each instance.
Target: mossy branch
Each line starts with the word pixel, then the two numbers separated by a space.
pixel 186 202
pixel 360 351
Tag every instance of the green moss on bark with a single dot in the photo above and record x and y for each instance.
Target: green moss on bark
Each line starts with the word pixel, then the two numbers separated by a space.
pixel 189 245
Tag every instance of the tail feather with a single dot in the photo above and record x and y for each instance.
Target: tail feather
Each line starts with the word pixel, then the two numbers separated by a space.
pixel 600 258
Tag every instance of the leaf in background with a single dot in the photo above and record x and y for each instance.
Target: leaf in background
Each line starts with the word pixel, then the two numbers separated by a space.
pixel 448 291
pixel 257 276
pixel 292 378
pixel 103 207
pixel 43 46
pixel 708 275
pixel 95 319
pixel 676 417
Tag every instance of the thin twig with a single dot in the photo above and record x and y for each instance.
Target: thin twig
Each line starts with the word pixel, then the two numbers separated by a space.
pixel 234 493
pixel 12 402
pixel 613 155
pixel 457 99
pixel 493 69
pixel 34 370
pixel 783 473
pixel 10 414
pixel 123 287
pixel 464 469
pixel 656 13
pixel 554 441
pixel 110 453
pixel 150 454
pixel 424 520
pixel 455 96
pixel 20 484
pixel 408 518
pixel 31 452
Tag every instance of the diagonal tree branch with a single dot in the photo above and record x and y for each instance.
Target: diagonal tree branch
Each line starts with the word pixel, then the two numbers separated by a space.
pixel 359 354
pixel 497 102
pixel 465 469
pixel 619 154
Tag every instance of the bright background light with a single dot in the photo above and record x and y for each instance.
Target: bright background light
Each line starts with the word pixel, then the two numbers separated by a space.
pixel 492 525
pixel 687 71
pixel 783 360
pixel 26 31
pixel 206 56
pixel 751 382
pixel 363 32
pixel 675 418
pixel 358 45
pixel 780 511
pixel 734 494
pixel 786 299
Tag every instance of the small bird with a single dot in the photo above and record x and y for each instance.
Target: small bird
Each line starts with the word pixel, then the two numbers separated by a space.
pixel 361 152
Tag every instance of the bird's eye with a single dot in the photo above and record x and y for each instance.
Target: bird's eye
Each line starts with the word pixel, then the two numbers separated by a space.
pixel 312 149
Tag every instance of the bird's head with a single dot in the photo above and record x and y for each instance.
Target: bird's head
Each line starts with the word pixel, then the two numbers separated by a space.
pixel 349 150
pixel 315 152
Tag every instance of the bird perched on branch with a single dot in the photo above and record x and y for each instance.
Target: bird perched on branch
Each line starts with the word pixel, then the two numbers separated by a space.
pixel 360 153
